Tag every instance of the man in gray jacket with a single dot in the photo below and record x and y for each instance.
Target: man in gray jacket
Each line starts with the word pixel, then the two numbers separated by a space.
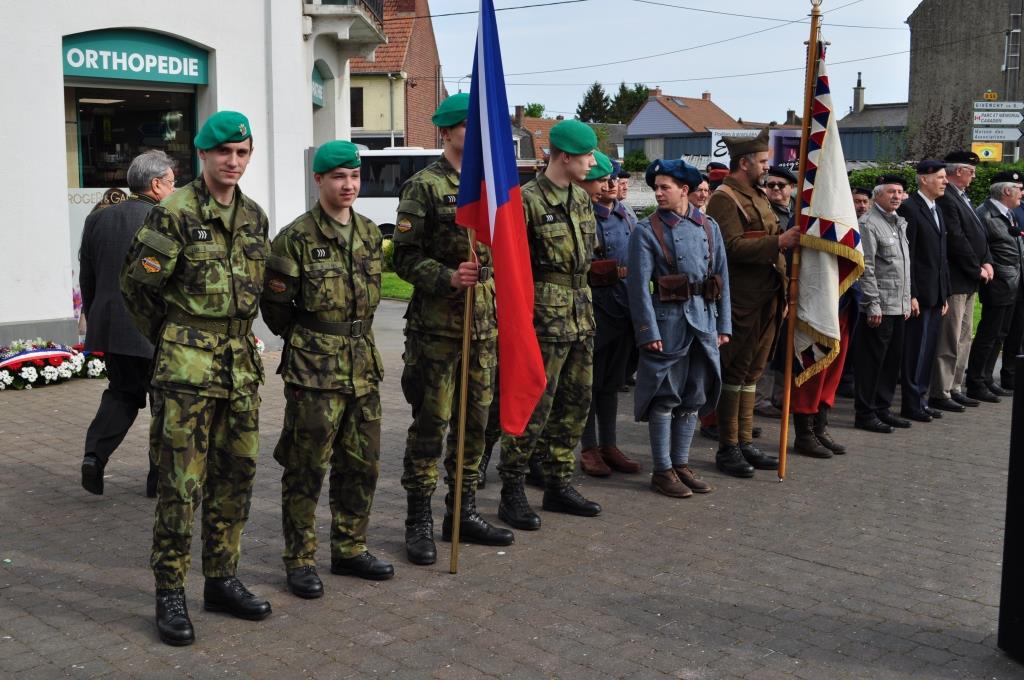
pixel 885 305
pixel 110 329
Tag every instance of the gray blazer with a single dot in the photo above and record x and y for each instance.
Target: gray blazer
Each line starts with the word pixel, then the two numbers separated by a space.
pixel 105 241
pixel 1005 247
pixel 885 283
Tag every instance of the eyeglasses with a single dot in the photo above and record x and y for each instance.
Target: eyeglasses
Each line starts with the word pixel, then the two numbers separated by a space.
pixel 167 181
pixel 776 185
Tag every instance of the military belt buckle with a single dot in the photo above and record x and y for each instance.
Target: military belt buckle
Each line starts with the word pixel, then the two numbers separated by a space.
pixel 579 280
pixel 356 329
pixel 485 274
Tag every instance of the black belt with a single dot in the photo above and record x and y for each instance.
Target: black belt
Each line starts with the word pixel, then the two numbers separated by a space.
pixel 236 328
pixel 574 281
pixel 350 329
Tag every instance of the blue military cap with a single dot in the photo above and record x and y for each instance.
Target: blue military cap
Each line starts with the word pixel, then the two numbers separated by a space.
pixel 930 166
pixel 679 169
pixel 891 179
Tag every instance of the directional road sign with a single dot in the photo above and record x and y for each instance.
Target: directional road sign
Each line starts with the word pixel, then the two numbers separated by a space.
pixel 995 134
pixel 998 106
pixel 998 118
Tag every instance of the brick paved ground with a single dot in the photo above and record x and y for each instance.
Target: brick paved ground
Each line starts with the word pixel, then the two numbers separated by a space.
pixel 884 563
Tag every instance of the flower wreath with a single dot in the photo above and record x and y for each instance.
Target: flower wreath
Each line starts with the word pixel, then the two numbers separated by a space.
pixel 33 363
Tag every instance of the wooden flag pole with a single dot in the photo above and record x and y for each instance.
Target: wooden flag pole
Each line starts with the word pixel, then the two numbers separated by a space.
pixel 460 452
pixel 794 272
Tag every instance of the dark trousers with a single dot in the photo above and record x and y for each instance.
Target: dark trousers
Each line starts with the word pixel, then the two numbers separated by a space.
pixel 1012 344
pixel 992 330
pixel 878 352
pixel 120 404
pixel 920 341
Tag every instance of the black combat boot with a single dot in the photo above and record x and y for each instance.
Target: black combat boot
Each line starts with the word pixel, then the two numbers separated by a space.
pixel 472 527
pixel 229 595
pixel 419 530
pixel 562 496
pixel 172 622
pixel 807 443
pixel 730 460
pixel 822 433
pixel 535 477
pixel 514 509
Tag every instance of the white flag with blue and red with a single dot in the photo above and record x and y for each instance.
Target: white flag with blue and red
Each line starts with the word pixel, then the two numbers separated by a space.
pixel 490 202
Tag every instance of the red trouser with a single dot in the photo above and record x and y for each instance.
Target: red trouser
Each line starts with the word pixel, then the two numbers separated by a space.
pixel 821 389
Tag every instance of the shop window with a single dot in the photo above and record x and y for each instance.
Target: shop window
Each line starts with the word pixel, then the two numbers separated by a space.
pixel 356 95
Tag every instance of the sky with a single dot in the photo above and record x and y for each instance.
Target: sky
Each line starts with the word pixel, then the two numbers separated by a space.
pixel 587 33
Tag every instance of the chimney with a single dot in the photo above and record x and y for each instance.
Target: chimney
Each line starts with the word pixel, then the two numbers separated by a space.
pixel 705 95
pixel 519 115
pixel 559 117
pixel 858 96
pixel 791 118
pixel 656 92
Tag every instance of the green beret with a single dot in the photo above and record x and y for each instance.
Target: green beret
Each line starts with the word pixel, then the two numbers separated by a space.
pixel 452 111
pixel 222 127
pixel 573 137
pixel 602 169
pixel 336 154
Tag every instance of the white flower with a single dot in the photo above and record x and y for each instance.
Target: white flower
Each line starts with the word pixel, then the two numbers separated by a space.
pixel 96 368
pixel 49 374
pixel 65 371
pixel 28 387
pixel 260 346
pixel 29 373
pixel 6 378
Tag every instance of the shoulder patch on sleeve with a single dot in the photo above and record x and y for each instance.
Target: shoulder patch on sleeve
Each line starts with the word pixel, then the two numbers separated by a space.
pixel 158 242
pixel 282 264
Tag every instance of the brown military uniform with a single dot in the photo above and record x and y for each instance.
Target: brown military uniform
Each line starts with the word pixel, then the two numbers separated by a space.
pixel 757 281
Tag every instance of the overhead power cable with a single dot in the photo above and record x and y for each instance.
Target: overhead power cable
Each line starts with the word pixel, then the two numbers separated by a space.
pixel 496 9
pixel 752 16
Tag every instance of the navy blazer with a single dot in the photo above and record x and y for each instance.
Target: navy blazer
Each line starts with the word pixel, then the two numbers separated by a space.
pixel 966 245
pixel 929 265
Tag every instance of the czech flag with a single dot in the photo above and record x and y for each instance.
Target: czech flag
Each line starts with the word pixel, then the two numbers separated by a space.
pixel 490 202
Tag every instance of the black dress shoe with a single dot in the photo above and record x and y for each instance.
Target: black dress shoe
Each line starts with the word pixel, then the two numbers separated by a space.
pixel 873 424
pixel 919 416
pixel 92 474
pixel 514 508
pixel 946 405
pixel 565 498
pixel 729 460
pixel 999 391
pixel 230 596
pixel 963 399
pixel 305 583
pixel 933 412
pixel 758 458
pixel 172 622
pixel 363 565
pixel 889 418
pixel 983 393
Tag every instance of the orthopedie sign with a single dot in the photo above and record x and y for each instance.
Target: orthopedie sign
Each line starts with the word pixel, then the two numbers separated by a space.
pixel 127 54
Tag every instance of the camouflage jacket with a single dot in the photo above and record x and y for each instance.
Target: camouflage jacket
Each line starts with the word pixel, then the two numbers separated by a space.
pixel 562 240
pixel 314 278
pixel 185 261
pixel 429 246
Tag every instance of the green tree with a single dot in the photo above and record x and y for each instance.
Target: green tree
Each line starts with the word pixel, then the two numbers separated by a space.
pixel 627 102
pixel 533 110
pixel 636 161
pixel 594 107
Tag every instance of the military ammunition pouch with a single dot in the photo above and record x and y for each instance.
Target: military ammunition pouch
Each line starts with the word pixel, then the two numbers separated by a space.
pixel 236 328
pixel 351 329
pixel 673 288
pixel 605 273
pixel 676 287
pixel 574 281
pixel 713 288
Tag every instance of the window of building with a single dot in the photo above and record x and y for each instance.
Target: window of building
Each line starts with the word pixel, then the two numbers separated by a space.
pixel 356 95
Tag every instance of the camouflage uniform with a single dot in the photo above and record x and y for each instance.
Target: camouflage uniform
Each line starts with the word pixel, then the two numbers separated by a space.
pixel 562 239
pixel 320 295
pixel 429 246
pixel 192 284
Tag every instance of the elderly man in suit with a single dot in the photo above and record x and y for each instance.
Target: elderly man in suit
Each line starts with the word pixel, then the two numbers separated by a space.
pixel 929 288
pixel 1000 296
pixel 970 265
pixel 127 353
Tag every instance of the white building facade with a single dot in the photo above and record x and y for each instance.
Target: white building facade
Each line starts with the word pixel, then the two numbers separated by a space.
pixel 89 84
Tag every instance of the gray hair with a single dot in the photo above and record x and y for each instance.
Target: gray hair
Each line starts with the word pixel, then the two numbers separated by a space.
pixel 953 168
pixel 998 189
pixel 146 167
pixel 879 188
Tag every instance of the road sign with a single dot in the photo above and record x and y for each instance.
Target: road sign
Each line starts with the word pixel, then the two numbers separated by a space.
pixel 998 106
pixel 988 152
pixel 995 134
pixel 991 96
pixel 998 118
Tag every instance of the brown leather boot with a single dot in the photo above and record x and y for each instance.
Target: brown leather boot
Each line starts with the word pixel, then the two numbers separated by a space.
pixel 688 477
pixel 617 460
pixel 665 482
pixel 592 464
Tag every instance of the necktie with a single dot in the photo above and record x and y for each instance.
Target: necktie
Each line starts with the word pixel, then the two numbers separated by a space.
pixel 935 218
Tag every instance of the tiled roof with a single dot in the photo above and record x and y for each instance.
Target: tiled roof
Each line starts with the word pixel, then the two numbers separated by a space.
pixel 698 114
pixel 540 128
pixel 390 57
pixel 875 116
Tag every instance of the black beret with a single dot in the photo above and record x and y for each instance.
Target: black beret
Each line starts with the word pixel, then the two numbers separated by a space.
pixel 1011 176
pixel 968 157
pixel 715 165
pixel 624 174
pixel 929 166
pixel 784 173
pixel 862 191
pixel 891 179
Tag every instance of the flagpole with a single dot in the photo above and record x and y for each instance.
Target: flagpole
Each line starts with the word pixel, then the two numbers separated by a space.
pixel 794 272
pixel 460 449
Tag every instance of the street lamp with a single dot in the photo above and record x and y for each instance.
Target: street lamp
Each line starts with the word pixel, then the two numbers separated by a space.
pixel 468 75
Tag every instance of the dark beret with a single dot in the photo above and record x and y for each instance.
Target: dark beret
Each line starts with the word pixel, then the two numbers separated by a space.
pixel 679 169
pixel 1011 176
pixel 624 174
pixel 930 166
pixel 784 173
pixel 968 157
pixel 891 179
pixel 862 191
pixel 715 165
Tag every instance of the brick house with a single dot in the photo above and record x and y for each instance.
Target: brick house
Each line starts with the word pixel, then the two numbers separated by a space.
pixel 394 95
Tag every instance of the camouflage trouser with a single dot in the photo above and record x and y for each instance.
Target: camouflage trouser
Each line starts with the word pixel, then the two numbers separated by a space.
pixel 558 419
pixel 493 433
pixel 430 383
pixel 205 450
pixel 322 427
